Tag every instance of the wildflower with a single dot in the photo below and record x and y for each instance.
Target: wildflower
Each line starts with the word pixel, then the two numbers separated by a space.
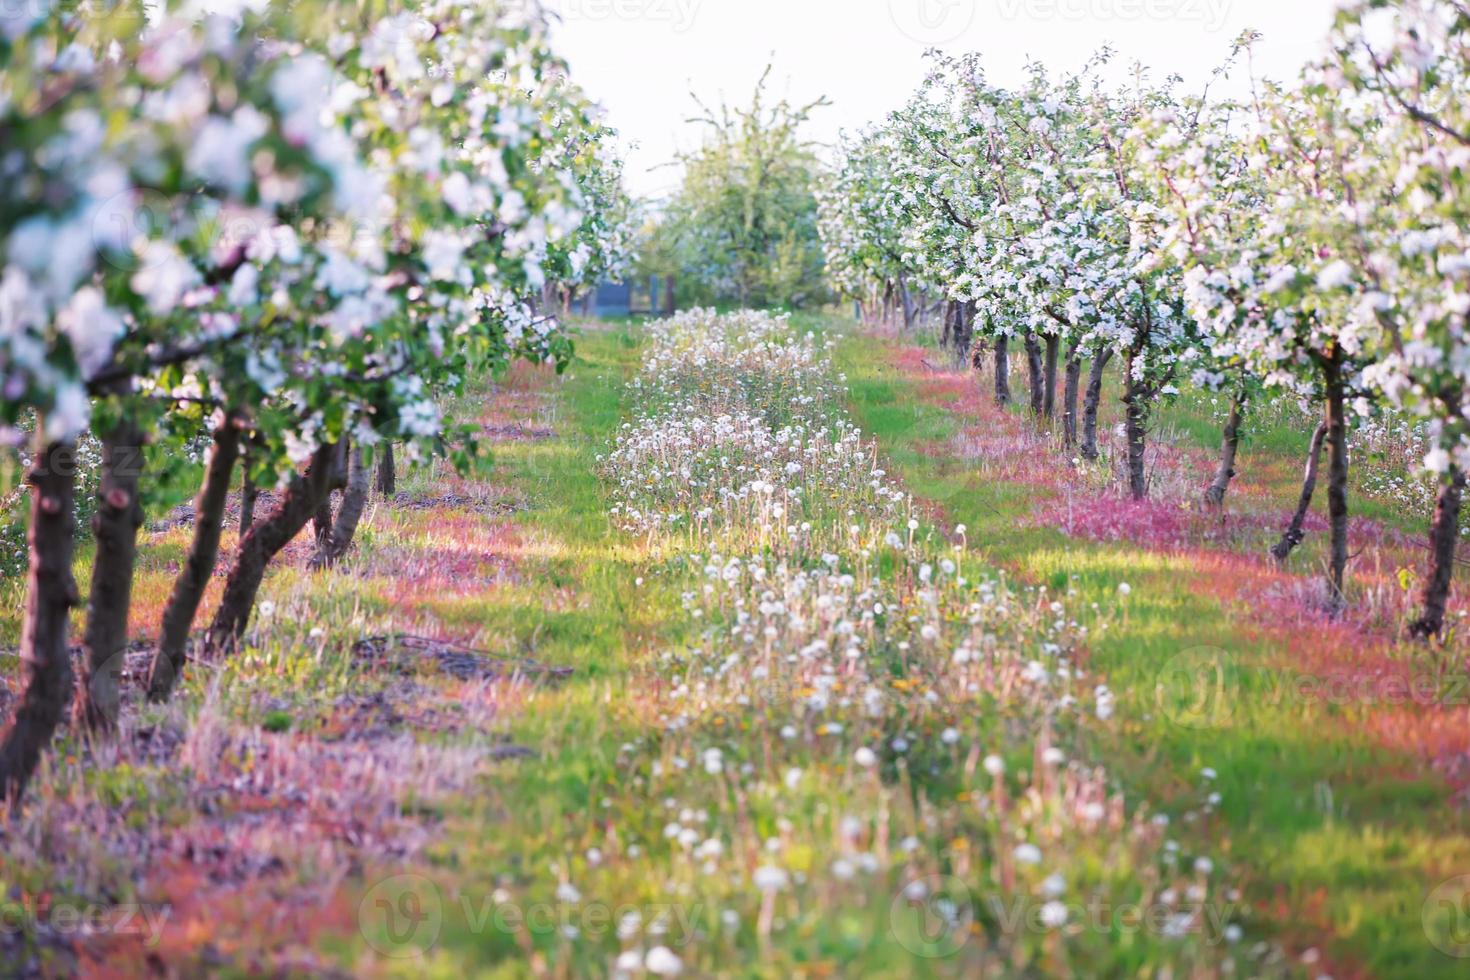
pixel 1053 915
pixel 1124 589
pixel 950 736
pixel 994 765
pixel 1027 854
pixel 662 962
pixel 769 878
pixel 865 757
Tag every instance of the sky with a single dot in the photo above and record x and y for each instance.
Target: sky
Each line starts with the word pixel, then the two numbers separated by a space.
pixel 642 58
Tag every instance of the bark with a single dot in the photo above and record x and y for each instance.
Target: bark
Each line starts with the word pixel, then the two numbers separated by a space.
pixel 1293 534
pixel 962 332
pixel 303 495
pixel 387 478
pixel 1002 370
pixel 1229 449
pixel 1092 401
pixel 908 303
pixel 1136 402
pixel 349 512
pixel 322 520
pixel 1034 373
pixel 249 494
pixel 1049 397
pixel 51 592
pixel 115 528
pixel 1444 534
pixel 669 295
pixel 1069 398
pixel 1337 478
pixel 947 331
pixel 193 578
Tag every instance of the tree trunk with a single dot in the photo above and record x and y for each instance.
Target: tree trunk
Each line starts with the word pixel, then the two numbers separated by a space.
pixel 249 494
pixel 51 592
pixel 1229 448
pixel 669 295
pixel 1034 374
pixel 193 578
pixel 1069 398
pixel 1136 403
pixel 908 303
pixel 1444 533
pixel 322 520
pixel 1337 478
pixel 303 496
pixel 387 477
pixel 947 330
pixel 1002 370
pixel 1092 401
pixel 1049 397
pixel 115 528
pixel 349 512
pixel 1293 534
pixel 964 331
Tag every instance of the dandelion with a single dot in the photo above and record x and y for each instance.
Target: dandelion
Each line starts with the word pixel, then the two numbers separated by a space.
pixel 662 962
pixel 1124 589
pixel 865 757
pixel 994 765
pixel 950 736
pixel 769 878
pixel 1053 915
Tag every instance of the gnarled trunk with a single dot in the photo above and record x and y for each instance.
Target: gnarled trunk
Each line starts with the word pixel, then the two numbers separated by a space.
pixel 1069 397
pixel 349 512
pixel 1229 449
pixel 1337 477
pixel 1049 396
pixel 303 496
pixel 1293 534
pixel 249 492
pixel 51 592
pixel 964 330
pixel 322 520
pixel 115 528
pixel 387 479
pixel 193 578
pixel 1002 370
pixel 1443 536
pixel 1034 373
pixel 1135 424
pixel 1092 401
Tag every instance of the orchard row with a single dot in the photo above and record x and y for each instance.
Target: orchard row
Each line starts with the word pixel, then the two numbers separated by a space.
pixel 289 233
pixel 1311 239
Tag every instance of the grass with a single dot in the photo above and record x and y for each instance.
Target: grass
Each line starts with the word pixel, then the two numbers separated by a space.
pixel 1340 834
pixel 308 814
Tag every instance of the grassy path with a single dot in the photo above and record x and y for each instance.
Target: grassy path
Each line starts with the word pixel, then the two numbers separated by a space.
pixel 1343 836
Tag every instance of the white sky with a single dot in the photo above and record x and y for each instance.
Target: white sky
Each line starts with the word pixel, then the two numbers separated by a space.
pixel 641 58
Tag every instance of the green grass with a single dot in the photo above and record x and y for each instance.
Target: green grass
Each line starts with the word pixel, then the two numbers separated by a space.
pixel 1320 818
